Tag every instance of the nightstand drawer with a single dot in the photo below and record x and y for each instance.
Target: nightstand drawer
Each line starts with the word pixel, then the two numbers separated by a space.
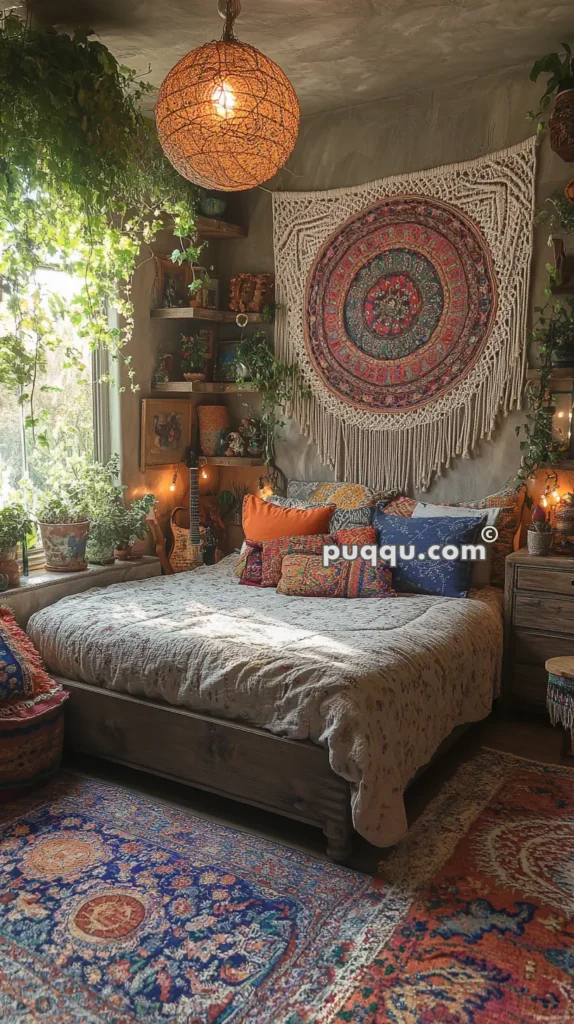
pixel 544 613
pixel 538 648
pixel 553 580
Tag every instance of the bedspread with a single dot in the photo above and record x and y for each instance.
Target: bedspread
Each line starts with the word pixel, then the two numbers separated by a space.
pixel 380 682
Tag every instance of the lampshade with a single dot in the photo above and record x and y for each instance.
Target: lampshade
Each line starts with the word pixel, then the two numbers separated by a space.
pixel 227 116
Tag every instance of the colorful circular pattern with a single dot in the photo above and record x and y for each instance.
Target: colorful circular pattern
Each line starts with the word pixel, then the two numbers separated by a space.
pixel 108 917
pixel 400 303
pixel 63 856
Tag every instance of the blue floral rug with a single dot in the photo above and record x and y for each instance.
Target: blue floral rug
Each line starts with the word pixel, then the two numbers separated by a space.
pixel 115 909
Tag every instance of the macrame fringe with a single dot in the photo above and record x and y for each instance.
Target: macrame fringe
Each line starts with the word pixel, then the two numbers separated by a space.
pixel 560 705
pixel 395 457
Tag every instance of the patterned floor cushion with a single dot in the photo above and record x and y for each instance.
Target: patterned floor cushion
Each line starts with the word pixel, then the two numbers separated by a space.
pixel 31 740
pixel 31 713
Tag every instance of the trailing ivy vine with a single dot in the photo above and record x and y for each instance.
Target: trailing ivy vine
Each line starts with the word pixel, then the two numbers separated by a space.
pixel 553 329
pixel 83 184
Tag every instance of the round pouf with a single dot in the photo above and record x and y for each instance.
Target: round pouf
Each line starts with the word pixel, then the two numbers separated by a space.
pixel 560 696
pixel 31 740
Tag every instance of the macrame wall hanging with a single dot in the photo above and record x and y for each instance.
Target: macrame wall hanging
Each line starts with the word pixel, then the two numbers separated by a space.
pixel 405 307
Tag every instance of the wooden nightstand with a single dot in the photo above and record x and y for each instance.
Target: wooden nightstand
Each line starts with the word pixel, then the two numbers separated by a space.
pixel 539 623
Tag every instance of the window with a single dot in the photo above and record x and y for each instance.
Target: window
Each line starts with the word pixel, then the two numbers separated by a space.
pixel 64 416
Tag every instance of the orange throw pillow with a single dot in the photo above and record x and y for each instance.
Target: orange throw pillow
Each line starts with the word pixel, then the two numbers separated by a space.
pixel 263 521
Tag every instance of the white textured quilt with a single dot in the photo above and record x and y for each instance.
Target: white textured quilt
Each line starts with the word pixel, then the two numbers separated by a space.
pixel 380 682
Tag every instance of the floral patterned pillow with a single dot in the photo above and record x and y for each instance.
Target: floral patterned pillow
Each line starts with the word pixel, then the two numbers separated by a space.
pixel 274 552
pixel 21 672
pixel 343 495
pixel 510 500
pixel 306 576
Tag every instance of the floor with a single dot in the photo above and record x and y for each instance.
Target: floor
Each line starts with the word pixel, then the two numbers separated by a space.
pixel 533 739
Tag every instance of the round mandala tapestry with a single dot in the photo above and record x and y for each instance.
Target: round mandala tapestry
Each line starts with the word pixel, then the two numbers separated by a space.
pixel 400 302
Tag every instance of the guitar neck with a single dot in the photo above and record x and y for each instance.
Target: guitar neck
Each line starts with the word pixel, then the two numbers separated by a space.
pixel 194 534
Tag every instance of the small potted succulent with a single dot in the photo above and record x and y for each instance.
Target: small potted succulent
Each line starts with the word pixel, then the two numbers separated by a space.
pixel 64 527
pixel 15 524
pixel 130 524
pixel 193 357
pixel 539 533
pixel 559 86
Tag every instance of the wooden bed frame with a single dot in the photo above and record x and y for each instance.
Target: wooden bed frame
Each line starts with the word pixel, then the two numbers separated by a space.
pixel 288 777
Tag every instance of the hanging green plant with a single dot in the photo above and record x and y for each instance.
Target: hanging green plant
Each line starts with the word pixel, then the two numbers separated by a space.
pixel 277 381
pixel 83 183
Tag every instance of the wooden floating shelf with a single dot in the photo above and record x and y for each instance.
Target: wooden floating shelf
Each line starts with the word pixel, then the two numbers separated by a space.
pixel 230 460
pixel 218 316
pixel 213 229
pixel 202 387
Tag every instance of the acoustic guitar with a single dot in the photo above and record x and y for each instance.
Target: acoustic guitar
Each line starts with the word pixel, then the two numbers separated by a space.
pixel 193 545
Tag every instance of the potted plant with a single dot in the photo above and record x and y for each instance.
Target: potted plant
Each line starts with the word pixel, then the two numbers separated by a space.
pixel 561 333
pixel 130 524
pixel 539 533
pixel 560 85
pixel 193 357
pixel 15 523
pixel 64 527
pixel 101 495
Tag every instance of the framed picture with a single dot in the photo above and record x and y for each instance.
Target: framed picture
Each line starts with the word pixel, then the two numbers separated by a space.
pixel 165 431
pixel 225 363
pixel 172 283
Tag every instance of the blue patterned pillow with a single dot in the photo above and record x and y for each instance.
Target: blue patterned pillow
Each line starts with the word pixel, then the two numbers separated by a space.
pixel 424 575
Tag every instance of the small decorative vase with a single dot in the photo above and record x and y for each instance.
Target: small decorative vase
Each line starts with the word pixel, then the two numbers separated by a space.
pixel 213 420
pixel 562 125
pixel 9 567
pixel 211 206
pixel 563 518
pixel 124 554
pixel 538 543
pixel 99 554
pixel 194 376
pixel 65 546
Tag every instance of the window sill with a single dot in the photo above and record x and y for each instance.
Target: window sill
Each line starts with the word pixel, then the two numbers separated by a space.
pixel 42 588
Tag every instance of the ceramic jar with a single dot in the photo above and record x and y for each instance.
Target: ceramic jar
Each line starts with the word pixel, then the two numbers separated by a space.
pixel 213 423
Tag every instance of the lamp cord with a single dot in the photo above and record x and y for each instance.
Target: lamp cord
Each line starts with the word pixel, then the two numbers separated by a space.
pixel 229 10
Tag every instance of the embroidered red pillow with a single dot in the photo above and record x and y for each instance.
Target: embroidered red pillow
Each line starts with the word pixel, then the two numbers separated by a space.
pixel 274 552
pixel 305 576
pixel 250 574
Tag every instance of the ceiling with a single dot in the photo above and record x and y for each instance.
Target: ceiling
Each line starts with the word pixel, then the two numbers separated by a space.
pixel 336 52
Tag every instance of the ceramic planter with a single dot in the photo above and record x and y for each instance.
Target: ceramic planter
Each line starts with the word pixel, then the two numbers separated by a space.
pixel 213 422
pixel 9 567
pixel 99 554
pixel 562 125
pixel 65 545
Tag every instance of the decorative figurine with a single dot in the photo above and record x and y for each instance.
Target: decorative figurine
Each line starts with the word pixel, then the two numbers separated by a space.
pixel 235 445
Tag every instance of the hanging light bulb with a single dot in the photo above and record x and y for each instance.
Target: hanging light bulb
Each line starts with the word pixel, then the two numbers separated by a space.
pixel 227 116
pixel 174 479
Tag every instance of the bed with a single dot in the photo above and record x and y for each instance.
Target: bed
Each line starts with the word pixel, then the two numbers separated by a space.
pixel 320 709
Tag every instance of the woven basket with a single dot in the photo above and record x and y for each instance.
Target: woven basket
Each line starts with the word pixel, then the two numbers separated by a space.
pixel 538 543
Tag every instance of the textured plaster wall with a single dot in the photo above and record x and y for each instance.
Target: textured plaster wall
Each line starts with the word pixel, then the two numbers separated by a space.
pixel 420 130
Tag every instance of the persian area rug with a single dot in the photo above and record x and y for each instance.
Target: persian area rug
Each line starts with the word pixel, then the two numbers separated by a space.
pixel 486 935
pixel 407 304
pixel 117 910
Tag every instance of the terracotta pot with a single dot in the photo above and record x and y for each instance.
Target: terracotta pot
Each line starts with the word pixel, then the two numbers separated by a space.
pixel 124 554
pixel 562 125
pixel 9 567
pixel 194 376
pixel 65 546
pixel 213 421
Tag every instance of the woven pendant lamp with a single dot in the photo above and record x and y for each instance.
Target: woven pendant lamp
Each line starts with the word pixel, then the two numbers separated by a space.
pixel 227 117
